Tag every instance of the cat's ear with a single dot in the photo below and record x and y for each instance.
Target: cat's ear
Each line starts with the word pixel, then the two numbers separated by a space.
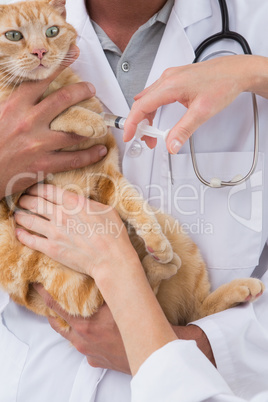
pixel 59 5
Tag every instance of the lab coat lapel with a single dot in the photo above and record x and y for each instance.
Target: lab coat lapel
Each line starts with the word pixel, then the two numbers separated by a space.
pixel 87 378
pixel 92 64
pixel 175 48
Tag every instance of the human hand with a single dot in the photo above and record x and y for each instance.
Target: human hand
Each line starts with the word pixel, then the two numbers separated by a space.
pixel 193 332
pixel 204 89
pixel 78 241
pixel 99 339
pixel 75 231
pixel 96 337
pixel 28 148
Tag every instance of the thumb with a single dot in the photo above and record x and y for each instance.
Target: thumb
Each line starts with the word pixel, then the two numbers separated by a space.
pixel 183 130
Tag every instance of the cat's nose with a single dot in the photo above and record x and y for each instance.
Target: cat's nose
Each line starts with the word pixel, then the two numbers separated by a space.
pixel 40 53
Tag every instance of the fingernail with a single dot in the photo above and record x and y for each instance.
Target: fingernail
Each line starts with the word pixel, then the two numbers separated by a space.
pixel 91 88
pixel 175 146
pixel 102 151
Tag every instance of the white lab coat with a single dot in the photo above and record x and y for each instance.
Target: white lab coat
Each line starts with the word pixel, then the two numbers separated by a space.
pixel 229 225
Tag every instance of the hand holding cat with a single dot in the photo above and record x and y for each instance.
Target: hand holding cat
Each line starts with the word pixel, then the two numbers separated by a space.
pixel 99 339
pixel 96 337
pixel 89 237
pixel 28 146
pixel 76 230
pixel 204 89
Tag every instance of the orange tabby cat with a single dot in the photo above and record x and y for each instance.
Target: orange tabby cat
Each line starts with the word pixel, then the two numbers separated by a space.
pixel 34 40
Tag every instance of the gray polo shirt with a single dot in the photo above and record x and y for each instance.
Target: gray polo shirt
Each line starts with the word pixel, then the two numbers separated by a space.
pixel 133 66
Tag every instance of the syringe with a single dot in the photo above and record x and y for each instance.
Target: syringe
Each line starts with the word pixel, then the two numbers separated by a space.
pixel 143 127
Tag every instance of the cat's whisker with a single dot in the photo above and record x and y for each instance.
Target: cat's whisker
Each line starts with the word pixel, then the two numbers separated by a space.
pixel 8 80
pixel 17 82
pixel 9 74
pixel 12 74
pixel 8 67
pixel 4 64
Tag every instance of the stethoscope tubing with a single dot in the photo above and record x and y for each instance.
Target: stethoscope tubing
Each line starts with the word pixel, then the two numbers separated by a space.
pixel 225 33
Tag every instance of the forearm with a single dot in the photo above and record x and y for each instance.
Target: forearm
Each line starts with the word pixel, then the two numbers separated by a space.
pixel 141 321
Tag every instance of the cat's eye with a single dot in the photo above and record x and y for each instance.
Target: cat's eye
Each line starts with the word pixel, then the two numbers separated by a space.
pixel 52 32
pixel 15 36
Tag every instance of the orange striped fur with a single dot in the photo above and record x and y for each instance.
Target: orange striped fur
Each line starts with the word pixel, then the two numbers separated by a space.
pixel 179 278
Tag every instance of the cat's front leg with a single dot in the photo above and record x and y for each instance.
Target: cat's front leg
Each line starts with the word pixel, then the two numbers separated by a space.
pixel 157 272
pixel 135 210
pixel 231 294
pixel 81 121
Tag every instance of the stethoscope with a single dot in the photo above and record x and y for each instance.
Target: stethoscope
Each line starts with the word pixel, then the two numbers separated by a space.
pixel 225 33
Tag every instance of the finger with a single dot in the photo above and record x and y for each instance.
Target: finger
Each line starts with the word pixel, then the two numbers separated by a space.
pixel 65 161
pixel 51 303
pixel 33 91
pixel 32 241
pixel 154 85
pixel 68 199
pixel 145 108
pixel 183 130
pixel 38 205
pixel 54 323
pixel 33 223
pixel 142 93
pixel 67 202
pixel 49 192
pixel 58 140
pixel 130 129
pixel 62 99
pixel 150 142
pixel 56 197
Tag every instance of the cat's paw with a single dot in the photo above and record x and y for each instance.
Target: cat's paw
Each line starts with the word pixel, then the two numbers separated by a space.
pixel 81 121
pixel 158 246
pixel 255 289
pixel 96 126
pixel 156 272
pixel 248 289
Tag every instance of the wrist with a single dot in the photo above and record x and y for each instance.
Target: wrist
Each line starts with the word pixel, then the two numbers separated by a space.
pixel 118 274
pixel 255 75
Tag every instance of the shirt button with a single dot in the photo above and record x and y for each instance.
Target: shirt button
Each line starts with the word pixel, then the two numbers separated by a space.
pixel 125 66
pixel 135 149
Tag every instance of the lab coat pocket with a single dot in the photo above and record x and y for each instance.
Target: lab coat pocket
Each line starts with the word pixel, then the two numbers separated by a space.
pixel 226 223
pixel 13 353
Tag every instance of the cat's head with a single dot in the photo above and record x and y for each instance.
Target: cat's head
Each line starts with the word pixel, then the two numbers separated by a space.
pixel 34 39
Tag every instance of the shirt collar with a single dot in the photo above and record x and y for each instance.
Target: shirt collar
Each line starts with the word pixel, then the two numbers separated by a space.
pixel 188 11
pixel 191 11
pixel 163 14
